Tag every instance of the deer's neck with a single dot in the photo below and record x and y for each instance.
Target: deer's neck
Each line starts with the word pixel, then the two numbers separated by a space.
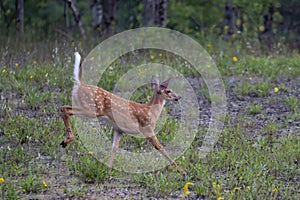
pixel 156 104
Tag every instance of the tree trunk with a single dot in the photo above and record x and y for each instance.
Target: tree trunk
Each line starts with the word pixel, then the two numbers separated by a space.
pixel 160 13
pixel 109 12
pixel 97 10
pixel 267 35
pixel 76 15
pixel 290 25
pixel 230 19
pixel 148 12
pixel 66 16
pixel 20 17
pixel 154 12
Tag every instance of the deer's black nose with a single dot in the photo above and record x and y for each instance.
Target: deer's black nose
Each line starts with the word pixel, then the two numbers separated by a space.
pixel 177 99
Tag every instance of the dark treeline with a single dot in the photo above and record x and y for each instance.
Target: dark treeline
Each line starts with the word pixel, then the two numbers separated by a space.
pixel 267 21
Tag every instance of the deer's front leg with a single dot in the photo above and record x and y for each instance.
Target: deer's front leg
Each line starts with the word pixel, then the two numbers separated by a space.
pixel 115 146
pixel 157 145
pixel 66 113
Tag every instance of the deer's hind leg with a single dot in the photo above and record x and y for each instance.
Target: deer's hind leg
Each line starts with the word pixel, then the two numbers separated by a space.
pixel 66 113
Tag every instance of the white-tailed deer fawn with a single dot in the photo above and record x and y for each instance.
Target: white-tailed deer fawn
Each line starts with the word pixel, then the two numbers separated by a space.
pixel 125 116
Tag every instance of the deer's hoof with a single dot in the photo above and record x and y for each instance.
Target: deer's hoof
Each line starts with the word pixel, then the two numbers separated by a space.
pixel 63 144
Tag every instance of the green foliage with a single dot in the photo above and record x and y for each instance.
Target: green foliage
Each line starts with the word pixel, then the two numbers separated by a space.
pixel 168 130
pixel 74 192
pixel 255 109
pixel 158 183
pixel 204 18
pixel 260 89
pixel 194 17
pixel 10 191
pixel 31 184
pixel 292 103
pixel 128 15
pixel 90 170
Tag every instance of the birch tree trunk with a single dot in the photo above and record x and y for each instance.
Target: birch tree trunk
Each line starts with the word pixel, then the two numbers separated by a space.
pixel 154 12
pixel 160 12
pixel 76 16
pixel 97 10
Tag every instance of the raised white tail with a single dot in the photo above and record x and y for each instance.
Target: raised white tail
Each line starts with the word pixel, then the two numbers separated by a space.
pixel 77 69
pixel 125 116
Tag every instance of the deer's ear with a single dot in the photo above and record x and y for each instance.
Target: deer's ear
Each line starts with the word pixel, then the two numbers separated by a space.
pixel 154 82
pixel 164 85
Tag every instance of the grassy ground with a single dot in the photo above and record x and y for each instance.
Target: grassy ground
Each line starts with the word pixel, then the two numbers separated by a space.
pixel 256 157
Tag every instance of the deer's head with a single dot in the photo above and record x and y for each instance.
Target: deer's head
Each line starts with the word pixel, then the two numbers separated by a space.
pixel 162 91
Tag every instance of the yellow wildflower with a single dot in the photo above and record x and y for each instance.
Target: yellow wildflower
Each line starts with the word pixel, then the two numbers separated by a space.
pixel 4 71
pixel 275 190
pixel 226 27
pixel 220 198
pixel 236 189
pixel 258 175
pixel 92 58
pixel 186 188
pixel 17 64
pixel 160 55
pixel 233 36
pixel 261 28
pixel 34 62
pixel 208 45
pixel 90 153
pixel 248 187
pixel 238 22
pixel 44 184
pixel 110 68
pixel 94 128
pixel 276 89
pixel 234 59
pixel 214 184
pixel 31 77
pixel 2 180
pixel 250 78
pixel 152 57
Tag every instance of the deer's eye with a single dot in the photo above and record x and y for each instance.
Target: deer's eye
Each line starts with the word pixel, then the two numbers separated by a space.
pixel 168 91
